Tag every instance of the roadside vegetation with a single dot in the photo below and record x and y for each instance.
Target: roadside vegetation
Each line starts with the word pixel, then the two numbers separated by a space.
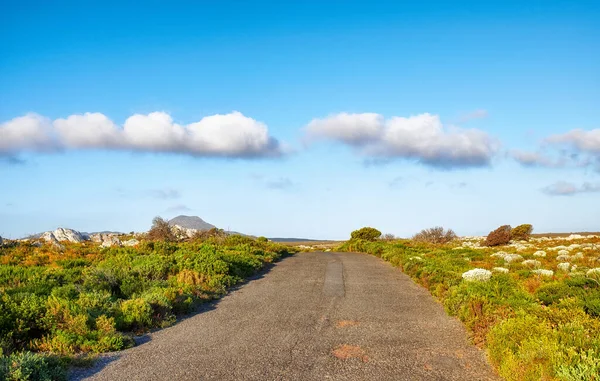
pixel 59 305
pixel 532 302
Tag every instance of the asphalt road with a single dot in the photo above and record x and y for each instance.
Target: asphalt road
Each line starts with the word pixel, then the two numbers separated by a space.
pixel 313 316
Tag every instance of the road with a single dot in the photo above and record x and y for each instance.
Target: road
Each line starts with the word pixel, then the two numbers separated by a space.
pixel 313 316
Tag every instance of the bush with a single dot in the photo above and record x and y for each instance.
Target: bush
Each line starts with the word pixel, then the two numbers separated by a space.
pixel 500 236
pixel 435 235
pixel 522 232
pixel 161 231
pixel 27 366
pixel 366 233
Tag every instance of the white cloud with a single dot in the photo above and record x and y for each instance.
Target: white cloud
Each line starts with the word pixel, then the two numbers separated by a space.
pixel 581 140
pixel 229 135
pixel 536 159
pixel 352 129
pixel 563 188
pixel 421 137
pixel 576 148
pixel 30 132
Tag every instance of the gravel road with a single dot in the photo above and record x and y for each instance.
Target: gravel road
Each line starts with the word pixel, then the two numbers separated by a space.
pixel 313 316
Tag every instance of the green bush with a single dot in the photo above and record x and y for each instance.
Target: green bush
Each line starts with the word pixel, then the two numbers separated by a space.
pixel 27 366
pixel 522 232
pixel 366 233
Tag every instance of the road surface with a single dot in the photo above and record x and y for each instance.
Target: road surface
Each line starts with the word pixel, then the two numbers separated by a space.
pixel 313 316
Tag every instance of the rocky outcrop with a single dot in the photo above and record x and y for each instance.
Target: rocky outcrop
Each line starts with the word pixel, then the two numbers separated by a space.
pixel 111 240
pixel 62 234
pixel 1 241
pixel 131 242
pixel 106 239
pixel 182 232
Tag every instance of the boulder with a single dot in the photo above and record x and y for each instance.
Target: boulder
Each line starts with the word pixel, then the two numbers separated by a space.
pixel 109 240
pixel 131 242
pixel 182 232
pixel 62 234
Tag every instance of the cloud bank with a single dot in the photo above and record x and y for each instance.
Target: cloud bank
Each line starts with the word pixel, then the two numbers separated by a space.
pixel 230 135
pixel 422 138
pixel 563 188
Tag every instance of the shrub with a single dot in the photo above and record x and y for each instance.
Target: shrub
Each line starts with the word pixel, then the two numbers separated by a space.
pixel 435 235
pixel 366 233
pixel 522 232
pixel 27 366
pixel 215 234
pixel 161 231
pixel 500 236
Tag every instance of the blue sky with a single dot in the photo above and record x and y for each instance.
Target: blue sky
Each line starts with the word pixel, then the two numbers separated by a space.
pixel 398 115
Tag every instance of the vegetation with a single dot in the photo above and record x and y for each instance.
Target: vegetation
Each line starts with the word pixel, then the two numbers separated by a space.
pixel 366 234
pixel 500 236
pixel 436 235
pixel 161 231
pixel 522 232
pixel 536 324
pixel 55 305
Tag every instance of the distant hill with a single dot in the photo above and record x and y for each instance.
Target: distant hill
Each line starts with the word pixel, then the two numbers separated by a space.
pixel 191 222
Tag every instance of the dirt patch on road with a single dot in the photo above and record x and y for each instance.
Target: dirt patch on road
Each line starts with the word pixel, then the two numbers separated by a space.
pixel 345 352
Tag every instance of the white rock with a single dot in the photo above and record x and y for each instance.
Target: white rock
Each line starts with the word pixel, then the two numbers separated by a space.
pixel 563 252
pixel 556 248
pixel 477 275
pixel 574 268
pixel 62 234
pixel 131 242
pixel 510 258
pixel 109 240
pixel 532 263
pixel 500 270
pixel 565 266
pixel 578 256
pixel 563 258
pixel 182 232
pixel 543 272
pixel 539 253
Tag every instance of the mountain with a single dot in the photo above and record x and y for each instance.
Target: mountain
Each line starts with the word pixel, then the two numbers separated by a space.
pixel 191 222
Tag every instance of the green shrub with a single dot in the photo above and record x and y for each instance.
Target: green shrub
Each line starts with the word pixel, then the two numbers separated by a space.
pixel 136 314
pixel 366 233
pixel 27 366
pixel 522 232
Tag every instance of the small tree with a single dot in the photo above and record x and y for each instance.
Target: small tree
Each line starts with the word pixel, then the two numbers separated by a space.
pixel 435 235
pixel 522 232
pixel 366 233
pixel 500 236
pixel 388 237
pixel 161 231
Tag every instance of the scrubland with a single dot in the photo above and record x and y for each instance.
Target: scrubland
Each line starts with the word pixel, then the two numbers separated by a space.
pixel 60 304
pixel 533 304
